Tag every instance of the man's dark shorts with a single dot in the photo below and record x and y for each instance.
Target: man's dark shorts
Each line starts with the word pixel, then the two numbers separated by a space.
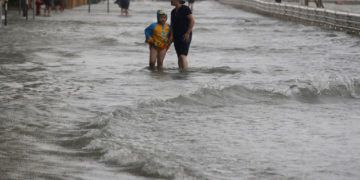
pixel 182 46
pixel 124 4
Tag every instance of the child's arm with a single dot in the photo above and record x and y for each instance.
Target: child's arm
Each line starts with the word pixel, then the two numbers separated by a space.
pixel 149 32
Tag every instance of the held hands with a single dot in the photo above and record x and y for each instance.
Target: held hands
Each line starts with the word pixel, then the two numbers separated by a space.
pixel 168 44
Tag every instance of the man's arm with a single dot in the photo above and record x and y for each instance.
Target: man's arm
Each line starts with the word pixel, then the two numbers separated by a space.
pixel 191 25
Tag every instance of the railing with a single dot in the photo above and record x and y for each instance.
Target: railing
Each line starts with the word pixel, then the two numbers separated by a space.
pixel 343 21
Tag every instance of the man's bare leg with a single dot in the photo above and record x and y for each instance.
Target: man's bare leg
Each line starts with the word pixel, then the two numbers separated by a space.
pixel 183 63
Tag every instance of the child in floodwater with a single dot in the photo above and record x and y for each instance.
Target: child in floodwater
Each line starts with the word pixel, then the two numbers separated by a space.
pixel 158 36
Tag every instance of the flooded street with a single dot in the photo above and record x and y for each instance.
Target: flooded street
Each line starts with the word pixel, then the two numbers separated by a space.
pixel 262 99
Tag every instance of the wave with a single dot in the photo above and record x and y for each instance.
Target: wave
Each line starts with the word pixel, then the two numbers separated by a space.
pixel 237 94
pixel 174 72
pixel 215 70
pixel 106 41
pixel 315 90
pixel 12 58
pixel 205 30
pixel 127 34
pixel 107 139
pixel 112 137
pixel 236 49
pixel 217 97
pixel 118 144
pixel 85 133
pixel 141 161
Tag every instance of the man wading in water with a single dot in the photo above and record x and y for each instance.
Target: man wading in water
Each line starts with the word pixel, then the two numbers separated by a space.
pixel 182 23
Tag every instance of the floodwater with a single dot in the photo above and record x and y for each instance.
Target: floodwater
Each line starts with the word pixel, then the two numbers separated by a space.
pixel 262 99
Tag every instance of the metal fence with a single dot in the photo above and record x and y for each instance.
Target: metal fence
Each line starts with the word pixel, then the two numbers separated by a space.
pixel 343 21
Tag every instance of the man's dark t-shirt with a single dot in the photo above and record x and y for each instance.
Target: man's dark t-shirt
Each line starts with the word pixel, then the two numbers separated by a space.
pixel 180 21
